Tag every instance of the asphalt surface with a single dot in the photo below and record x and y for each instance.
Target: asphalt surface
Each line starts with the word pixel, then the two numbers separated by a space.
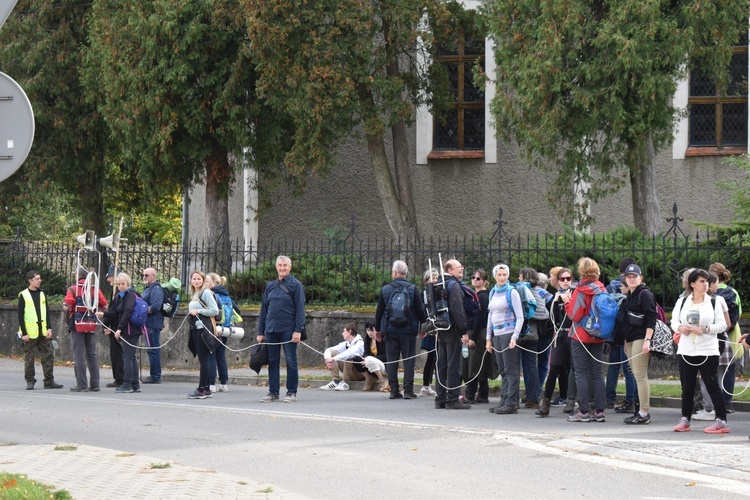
pixel 159 444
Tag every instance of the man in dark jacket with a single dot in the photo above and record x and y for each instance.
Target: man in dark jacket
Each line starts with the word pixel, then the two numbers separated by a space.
pixel 400 339
pixel 449 341
pixel 153 294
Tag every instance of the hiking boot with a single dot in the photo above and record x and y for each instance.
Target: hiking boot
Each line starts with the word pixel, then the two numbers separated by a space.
pixel 683 426
pixel 409 395
pixel 53 385
pixel 506 410
pixel 718 427
pixel 570 406
pixel 269 398
pixel 580 417
pixel 457 405
pixel 396 395
pixel 330 386
pixel 531 404
pixel 543 410
pixel 638 419
pixel 625 407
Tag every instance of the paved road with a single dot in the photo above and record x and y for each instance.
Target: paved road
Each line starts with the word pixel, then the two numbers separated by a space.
pixel 348 445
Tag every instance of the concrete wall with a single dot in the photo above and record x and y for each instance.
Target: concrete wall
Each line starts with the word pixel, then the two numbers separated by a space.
pixel 323 327
pixel 462 197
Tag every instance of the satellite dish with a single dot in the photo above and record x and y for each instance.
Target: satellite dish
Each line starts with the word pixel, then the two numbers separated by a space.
pixel 16 126
pixel 5 7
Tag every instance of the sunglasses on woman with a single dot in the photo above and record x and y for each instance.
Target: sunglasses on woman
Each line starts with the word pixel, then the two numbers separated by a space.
pixel 565 278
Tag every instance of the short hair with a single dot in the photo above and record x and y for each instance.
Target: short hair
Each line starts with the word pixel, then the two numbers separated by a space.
pixel 555 271
pixel 124 277
pixel 498 267
pixel 31 275
pixel 283 258
pixel 529 274
pixel 427 276
pixel 697 273
pixel 588 268
pixel 543 279
pixel 721 271
pixel 370 325
pixel 352 327
pixel 400 267
pixel 624 263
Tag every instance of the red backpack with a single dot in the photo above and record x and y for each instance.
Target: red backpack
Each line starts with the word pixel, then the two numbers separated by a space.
pixel 83 320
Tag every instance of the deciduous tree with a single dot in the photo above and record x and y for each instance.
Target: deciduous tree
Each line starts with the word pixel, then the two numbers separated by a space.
pixel 586 86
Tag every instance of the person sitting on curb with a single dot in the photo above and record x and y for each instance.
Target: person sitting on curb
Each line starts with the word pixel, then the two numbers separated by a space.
pixel 375 359
pixel 342 358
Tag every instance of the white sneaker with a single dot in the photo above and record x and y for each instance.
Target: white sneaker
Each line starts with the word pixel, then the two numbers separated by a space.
pixel 329 386
pixel 223 388
pixel 708 416
pixel 212 388
pixel 427 391
pixel 343 386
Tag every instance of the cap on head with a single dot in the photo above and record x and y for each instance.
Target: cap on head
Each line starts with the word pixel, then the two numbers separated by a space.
pixel 633 269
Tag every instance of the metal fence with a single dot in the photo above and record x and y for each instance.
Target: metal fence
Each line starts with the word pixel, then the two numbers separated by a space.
pixel 349 270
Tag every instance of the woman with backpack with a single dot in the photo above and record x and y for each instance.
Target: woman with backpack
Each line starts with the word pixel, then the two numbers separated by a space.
pixel 639 320
pixel 504 324
pixel 119 313
pixel 587 351
pixel 559 356
pixel 480 361
pixel 201 308
pixel 530 344
pixel 227 308
pixel 698 319
pixel 731 351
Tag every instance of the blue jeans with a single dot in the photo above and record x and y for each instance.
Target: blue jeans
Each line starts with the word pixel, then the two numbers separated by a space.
pixel 154 355
pixel 617 355
pixel 542 361
pixel 218 359
pixel 274 362
pixel 130 370
pixel 530 371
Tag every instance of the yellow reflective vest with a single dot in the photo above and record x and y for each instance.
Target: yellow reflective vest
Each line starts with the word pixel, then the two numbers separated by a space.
pixel 30 319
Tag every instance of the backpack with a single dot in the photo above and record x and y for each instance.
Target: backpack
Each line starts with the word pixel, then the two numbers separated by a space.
pixel 171 297
pixel 528 304
pixel 399 306
pixel 140 312
pixel 84 320
pixel 600 322
pixel 730 297
pixel 471 302
pixel 226 310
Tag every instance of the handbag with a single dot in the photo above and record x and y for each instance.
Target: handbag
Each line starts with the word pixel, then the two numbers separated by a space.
pixel 661 340
pixel 636 319
pixel 258 357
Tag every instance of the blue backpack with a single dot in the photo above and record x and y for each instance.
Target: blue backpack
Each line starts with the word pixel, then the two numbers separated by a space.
pixel 600 321
pixel 226 309
pixel 140 312
pixel 528 304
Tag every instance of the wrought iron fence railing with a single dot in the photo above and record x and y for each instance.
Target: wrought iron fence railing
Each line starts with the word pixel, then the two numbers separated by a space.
pixel 350 270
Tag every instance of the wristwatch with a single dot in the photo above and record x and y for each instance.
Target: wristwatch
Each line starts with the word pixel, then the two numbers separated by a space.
pixel 705 328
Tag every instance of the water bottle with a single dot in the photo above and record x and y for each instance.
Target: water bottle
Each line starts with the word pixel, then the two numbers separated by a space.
pixel 465 351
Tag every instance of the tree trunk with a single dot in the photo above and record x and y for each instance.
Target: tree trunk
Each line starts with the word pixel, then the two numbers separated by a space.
pixel 395 212
pixel 646 216
pixel 218 178
pixel 91 201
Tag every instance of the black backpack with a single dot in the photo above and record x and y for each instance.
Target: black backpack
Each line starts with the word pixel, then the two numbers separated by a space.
pixel 399 306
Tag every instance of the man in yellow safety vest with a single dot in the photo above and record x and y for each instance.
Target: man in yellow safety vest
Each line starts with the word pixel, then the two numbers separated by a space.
pixel 35 333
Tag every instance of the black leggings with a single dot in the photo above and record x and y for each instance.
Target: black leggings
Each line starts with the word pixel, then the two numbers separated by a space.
pixel 560 373
pixel 429 368
pixel 708 368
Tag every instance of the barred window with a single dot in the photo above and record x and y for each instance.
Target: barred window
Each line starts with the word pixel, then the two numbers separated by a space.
pixel 462 127
pixel 719 121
